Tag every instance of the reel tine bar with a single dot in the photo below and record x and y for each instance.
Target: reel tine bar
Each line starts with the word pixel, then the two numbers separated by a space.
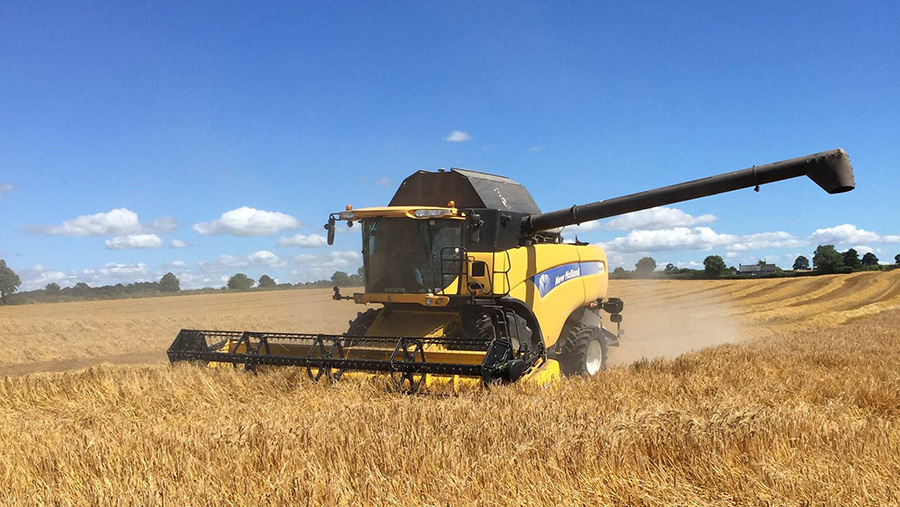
pixel 318 364
pixel 326 355
pixel 400 373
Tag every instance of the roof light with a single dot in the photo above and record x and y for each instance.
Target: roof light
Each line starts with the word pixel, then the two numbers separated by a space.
pixel 422 213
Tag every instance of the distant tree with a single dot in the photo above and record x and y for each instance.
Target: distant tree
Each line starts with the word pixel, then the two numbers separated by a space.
pixel 761 262
pixel 869 259
pixel 52 288
pixel 81 289
pixel 801 263
pixel 645 265
pixel 169 283
pixel 266 281
pixel 851 258
pixel 897 259
pixel 732 270
pixel 619 269
pixel 9 281
pixel 240 281
pixel 341 279
pixel 670 268
pixel 826 259
pixel 713 266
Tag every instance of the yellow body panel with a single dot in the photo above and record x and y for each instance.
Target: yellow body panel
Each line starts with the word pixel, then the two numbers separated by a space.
pixel 514 271
pixel 510 271
pixel 411 322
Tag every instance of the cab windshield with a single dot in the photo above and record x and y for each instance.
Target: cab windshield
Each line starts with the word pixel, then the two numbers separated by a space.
pixel 405 255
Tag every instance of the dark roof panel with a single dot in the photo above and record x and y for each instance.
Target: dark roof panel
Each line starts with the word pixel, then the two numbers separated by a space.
pixel 469 189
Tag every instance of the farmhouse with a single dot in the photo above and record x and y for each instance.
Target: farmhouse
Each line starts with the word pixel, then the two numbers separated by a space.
pixel 757 269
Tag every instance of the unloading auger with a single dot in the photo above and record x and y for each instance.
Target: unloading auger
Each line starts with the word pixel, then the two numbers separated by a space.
pixel 473 281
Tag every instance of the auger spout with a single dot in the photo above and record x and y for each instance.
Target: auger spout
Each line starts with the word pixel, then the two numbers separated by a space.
pixel 831 170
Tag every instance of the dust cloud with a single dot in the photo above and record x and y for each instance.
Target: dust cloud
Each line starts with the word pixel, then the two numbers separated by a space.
pixel 660 323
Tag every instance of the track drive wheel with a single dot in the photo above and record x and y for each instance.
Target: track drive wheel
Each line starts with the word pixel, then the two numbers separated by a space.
pixel 482 328
pixel 363 321
pixel 582 351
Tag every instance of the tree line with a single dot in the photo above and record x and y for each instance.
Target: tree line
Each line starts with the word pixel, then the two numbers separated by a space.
pixel 826 260
pixel 167 284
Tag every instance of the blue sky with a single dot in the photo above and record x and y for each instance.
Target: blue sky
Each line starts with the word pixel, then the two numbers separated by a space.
pixel 233 128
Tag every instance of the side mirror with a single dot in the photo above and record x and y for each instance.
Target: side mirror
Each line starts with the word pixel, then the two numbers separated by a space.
pixel 475 223
pixel 330 228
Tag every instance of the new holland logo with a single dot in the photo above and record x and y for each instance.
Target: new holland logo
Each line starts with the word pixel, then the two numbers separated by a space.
pixel 552 278
pixel 568 275
pixel 544 284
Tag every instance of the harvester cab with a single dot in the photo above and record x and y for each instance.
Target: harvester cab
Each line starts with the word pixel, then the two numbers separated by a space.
pixel 472 280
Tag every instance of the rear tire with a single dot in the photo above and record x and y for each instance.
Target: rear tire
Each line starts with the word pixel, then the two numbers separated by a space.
pixel 582 351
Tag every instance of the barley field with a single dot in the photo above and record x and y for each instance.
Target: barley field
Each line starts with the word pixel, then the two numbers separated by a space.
pixel 759 392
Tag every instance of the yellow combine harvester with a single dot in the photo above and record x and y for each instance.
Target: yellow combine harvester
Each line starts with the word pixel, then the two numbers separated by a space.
pixel 473 281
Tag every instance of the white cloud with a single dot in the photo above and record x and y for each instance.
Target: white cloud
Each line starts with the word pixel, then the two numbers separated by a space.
pixel 319 267
pixel 190 280
pixel 648 219
pixel 6 188
pixel 116 269
pixel 134 241
pixel 678 238
pixel 848 234
pixel 177 243
pixel 863 250
pixel 458 136
pixel 534 148
pixel 656 218
pixel 262 258
pixel 163 225
pixel 113 273
pixel 704 238
pixel 37 277
pixel 117 222
pixel 585 227
pixel 246 221
pixel 310 241
pixel 779 239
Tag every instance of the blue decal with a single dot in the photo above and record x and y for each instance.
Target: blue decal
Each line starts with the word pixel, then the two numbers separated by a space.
pixel 591 268
pixel 548 280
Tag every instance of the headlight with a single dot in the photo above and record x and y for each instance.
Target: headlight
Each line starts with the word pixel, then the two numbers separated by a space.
pixel 423 213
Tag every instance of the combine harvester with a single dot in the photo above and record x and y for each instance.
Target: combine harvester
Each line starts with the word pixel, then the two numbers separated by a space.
pixel 475 282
